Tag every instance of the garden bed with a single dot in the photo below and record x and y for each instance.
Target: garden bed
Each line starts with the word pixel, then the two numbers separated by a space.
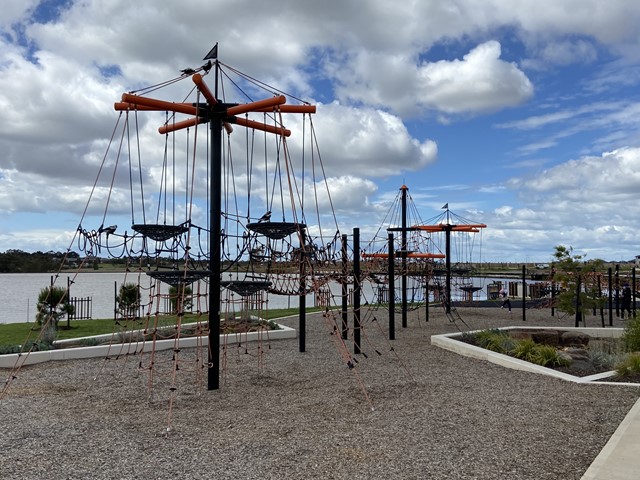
pixel 457 343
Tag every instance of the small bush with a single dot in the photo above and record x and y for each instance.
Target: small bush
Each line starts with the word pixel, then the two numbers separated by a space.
pixel 629 366
pixel 526 350
pixel 494 340
pixel 631 335
pixel 5 349
pixel 548 356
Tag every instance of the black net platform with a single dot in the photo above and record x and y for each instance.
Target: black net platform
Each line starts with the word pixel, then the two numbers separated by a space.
pixel 158 232
pixel 275 230
pixel 246 287
pixel 176 278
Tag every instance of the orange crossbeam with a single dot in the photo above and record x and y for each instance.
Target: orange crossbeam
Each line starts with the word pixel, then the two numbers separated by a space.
pixel 204 89
pixel 261 126
pixel 455 228
pixel 289 109
pixel 172 127
pixel 250 107
pixel 159 104
pixel 409 255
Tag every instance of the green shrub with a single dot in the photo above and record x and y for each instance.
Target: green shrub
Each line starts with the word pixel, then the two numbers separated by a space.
pixel 526 350
pixel 494 340
pixel 4 349
pixel 548 356
pixel 631 335
pixel 629 366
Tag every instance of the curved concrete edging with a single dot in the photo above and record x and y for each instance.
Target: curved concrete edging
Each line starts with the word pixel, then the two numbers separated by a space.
pixel 448 342
pixel 15 360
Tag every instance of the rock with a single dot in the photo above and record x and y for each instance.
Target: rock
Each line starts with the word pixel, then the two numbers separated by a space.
pixel 546 337
pixel 576 353
pixel 574 339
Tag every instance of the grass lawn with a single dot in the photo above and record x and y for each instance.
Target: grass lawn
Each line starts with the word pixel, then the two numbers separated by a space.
pixel 19 333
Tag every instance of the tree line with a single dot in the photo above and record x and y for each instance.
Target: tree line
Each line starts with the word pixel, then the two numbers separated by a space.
pixel 17 261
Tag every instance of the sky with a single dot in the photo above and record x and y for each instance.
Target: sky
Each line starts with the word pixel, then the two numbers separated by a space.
pixel 519 114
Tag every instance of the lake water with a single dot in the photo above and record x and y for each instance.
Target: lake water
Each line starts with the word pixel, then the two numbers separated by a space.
pixel 20 292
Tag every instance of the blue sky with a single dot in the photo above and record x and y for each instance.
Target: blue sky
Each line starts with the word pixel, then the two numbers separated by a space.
pixel 520 116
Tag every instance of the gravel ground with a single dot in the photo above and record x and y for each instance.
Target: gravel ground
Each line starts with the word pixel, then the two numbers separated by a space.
pixel 408 410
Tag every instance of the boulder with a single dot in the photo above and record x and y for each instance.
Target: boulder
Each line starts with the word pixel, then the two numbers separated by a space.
pixel 546 337
pixel 574 339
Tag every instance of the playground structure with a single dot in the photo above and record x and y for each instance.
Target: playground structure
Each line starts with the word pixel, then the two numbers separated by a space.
pixel 224 240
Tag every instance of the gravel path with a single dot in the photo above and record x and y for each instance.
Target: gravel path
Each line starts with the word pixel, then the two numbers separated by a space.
pixel 290 415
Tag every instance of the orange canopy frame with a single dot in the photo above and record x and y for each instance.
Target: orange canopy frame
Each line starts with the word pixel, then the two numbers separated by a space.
pixel 274 104
pixel 468 227
pixel 409 255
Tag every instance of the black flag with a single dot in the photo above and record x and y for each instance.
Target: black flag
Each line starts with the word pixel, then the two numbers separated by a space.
pixel 445 206
pixel 213 53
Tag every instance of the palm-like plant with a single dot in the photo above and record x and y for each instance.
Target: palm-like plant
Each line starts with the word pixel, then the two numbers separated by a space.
pixel 53 304
pixel 129 300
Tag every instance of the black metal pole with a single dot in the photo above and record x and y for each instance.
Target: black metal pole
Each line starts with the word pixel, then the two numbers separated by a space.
pixel 524 292
pixel 553 289
pixel 356 290
pixel 600 301
pixel 392 290
pixel 447 293
pixel 578 301
pixel 345 286
pixel 426 294
pixel 302 316
pixel 617 290
pixel 215 213
pixel 610 297
pixel 633 290
pixel 404 255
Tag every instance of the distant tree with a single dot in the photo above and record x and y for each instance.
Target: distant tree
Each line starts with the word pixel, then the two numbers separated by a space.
pixel 180 297
pixel 129 300
pixel 53 304
pixel 578 281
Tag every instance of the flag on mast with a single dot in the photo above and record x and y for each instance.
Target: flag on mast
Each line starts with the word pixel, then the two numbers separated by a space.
pixel 445 206
pixel 213 53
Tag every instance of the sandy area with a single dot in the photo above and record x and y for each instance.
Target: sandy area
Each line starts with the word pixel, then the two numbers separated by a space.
pixel 407 410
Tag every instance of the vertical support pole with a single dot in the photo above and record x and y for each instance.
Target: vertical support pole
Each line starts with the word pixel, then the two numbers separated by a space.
pixel 404 255
pixel 345 287
pixel 617 287
pixel 215 213
pixel 524 292
pixel 356 290
pixel 633 291
pixel 610 297
pixel 426 293
pixel 553 289
pixel 578 301
pixel 302 310
pixel 392 289
pixel 600 300
pixel 69 301
pixel 447 293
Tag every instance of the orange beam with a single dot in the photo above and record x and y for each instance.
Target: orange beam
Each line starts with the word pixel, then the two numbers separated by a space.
pixel 120 106
pixel 289 109
pixel 204 89
pixel 172 127
pixel 456 228
pixel 250 107
pixel 155 104
pixel 261 126
pixel 409 255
